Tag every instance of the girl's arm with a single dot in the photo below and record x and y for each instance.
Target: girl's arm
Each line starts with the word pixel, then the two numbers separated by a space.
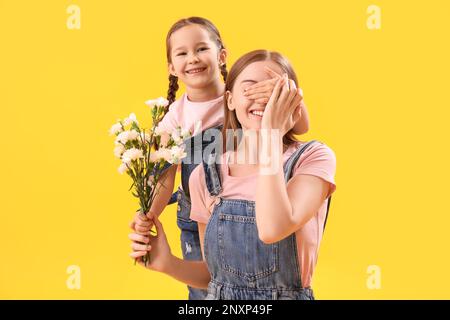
pixel 192 273
pixel 165 186
pixel 141 223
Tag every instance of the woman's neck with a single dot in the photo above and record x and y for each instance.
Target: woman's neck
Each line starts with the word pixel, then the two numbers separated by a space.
pixel 210 92
pixel 251 148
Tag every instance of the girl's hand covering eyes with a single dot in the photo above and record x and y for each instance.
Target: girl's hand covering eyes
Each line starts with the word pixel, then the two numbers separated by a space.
pixel 261 91
pixel 283 108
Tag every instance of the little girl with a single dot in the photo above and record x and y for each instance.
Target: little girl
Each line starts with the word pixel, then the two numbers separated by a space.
pixel 260 229
pixel 197 57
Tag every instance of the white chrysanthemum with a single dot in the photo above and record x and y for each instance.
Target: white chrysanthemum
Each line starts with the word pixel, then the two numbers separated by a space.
pixel 126 136
pixel 145 136
pixel 163 154
pixel 116 128
pixel 165 139
pixel 132 154
pixel 131 118
pixel 176 137
pixel 123 168
pixel 161 102
pixel 177 153
pixel 154 156
pixel 159 131
pixel 184 133
pixel 118 150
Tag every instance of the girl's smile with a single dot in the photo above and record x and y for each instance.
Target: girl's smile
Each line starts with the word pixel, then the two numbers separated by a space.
pixel 196 71
pixel 195 58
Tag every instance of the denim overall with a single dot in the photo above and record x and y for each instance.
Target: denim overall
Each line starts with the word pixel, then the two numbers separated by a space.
pixel 190 241
pixel 242 267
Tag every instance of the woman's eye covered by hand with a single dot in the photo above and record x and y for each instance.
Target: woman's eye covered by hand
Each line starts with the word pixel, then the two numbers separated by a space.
pixel 261 91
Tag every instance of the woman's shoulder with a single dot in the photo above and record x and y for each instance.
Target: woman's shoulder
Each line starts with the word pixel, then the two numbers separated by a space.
pixel 318 159
pixel 314 147
pixel 315 151
pixel 320 148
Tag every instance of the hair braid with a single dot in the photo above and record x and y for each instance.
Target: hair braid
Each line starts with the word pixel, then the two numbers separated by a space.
pixel 224 72
pixel 173 88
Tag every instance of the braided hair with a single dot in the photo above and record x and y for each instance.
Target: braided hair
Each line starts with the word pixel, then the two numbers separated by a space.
pixel 173 87
pixel 215 35
pixel 224 72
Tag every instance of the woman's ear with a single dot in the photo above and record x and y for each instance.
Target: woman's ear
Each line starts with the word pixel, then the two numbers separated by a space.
pixel 171 69
pixel 229 98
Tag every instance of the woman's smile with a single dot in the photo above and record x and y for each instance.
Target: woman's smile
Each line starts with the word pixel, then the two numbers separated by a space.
pixel 256 114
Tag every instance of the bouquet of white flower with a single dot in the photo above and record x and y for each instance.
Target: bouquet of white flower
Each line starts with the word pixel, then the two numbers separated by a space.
pixel 143 156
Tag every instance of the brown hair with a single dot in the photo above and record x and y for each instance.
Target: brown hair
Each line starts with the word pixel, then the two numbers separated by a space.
pixel 231 121
pixel 215 36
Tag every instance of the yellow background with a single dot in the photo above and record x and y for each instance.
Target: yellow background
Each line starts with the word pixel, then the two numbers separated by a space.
pixel 378 98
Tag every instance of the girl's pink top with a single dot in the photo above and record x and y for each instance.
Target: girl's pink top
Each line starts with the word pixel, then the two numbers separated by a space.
pixel 193 116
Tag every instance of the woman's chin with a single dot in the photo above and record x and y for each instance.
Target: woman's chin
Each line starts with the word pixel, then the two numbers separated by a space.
pixel 252 125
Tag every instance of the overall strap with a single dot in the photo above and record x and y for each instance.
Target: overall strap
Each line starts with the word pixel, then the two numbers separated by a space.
pixel 289 165
pixel 212 174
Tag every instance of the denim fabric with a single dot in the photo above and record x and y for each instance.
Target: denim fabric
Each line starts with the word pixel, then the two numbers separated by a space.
pixel 241 265
pixel 190 241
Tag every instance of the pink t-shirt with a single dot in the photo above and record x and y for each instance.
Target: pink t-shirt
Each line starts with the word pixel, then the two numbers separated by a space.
pixel 318 160
pixel 193 116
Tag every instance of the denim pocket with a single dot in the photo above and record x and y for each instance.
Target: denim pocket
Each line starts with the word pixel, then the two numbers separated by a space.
pixel 183 214
pixel 241 251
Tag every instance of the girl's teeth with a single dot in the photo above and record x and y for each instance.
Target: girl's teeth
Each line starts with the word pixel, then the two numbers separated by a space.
pixel 195 71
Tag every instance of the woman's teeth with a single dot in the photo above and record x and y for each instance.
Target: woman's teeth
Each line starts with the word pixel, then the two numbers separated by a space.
pixel 195 70
pixel 258 113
